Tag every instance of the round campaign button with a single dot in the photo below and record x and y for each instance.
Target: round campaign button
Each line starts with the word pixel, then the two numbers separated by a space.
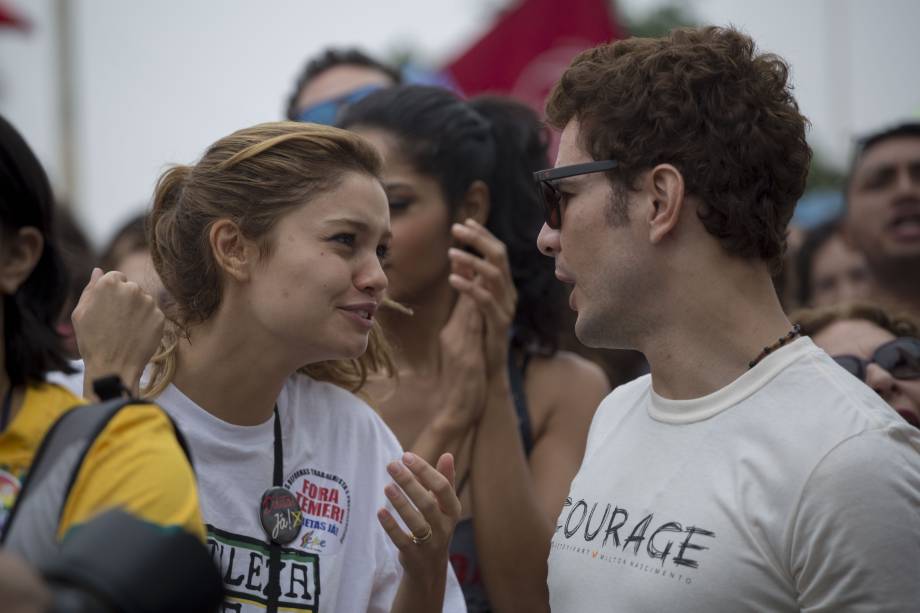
pixel 281 515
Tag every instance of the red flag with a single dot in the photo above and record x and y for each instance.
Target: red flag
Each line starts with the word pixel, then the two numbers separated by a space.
pixel 530 46
pixel 12 19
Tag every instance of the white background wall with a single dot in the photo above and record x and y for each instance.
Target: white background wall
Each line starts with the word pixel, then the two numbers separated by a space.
pixel 155 82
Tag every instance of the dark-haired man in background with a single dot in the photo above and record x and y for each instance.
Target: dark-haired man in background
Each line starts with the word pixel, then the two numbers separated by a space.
pixel 748 471
pixel 334 79
pixel 883 214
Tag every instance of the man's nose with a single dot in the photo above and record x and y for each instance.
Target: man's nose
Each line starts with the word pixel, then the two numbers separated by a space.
pixel 548 241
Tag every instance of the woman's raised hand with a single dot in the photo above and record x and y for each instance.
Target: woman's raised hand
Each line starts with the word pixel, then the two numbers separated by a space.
pixel 118 328
pixel 487 280
pixel 424 498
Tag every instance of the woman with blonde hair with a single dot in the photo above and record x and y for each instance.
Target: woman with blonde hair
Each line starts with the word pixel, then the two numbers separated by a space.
pixel 270 248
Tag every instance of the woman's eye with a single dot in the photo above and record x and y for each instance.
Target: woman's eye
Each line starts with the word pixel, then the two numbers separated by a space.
pixel 383 251
pixel 398 205
pixel 345 239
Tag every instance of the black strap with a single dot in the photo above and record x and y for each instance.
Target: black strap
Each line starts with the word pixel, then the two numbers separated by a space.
pixel 279 452
pixel 518 393
pixel 7 408
pixel 273 589
pixel 107 388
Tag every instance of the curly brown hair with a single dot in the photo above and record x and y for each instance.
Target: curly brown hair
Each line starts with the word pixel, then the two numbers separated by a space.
pixel 813 321
pixel 706 101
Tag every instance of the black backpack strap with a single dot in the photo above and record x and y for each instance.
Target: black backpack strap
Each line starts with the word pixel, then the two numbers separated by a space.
pixel 59 458
pixel 32 526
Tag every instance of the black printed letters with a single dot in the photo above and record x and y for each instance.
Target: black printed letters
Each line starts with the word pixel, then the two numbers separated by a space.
pixel 659 539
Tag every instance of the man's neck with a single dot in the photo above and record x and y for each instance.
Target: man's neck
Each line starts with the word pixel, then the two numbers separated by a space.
pixel 707 341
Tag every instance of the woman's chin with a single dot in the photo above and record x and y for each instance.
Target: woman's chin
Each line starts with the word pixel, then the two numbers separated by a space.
pixel 353 351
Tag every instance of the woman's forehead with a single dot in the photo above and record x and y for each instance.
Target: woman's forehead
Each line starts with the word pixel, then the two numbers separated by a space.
pixel 853 336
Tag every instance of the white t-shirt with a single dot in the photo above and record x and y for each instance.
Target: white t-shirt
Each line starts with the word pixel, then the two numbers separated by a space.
pixel 794 488
pixel 335 454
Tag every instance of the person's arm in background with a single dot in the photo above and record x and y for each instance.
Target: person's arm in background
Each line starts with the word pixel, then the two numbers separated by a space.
pixel 558 450
pixel 516 503
pixel 461 387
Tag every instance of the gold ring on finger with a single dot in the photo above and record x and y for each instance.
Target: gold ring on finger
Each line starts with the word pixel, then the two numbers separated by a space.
pixel 418 540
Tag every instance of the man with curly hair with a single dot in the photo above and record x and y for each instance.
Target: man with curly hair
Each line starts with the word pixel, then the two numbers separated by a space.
pixel 748 471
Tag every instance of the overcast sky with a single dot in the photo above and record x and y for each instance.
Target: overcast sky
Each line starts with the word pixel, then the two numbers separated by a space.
pixel 156 82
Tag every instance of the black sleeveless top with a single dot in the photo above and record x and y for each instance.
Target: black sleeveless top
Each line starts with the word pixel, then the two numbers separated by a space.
pixel 463 556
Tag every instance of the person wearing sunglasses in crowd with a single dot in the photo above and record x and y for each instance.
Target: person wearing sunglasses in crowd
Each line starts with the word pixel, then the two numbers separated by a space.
pixel 513 408
pixel 748 471
pixel 271 248
pixel 333 80
pixel 874 346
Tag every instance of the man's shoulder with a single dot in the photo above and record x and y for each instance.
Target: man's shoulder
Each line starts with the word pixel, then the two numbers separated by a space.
pixel 822 397
pixel 615 407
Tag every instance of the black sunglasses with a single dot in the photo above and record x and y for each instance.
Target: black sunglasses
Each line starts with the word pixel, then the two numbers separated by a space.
pixel 552 197
pixel 900 357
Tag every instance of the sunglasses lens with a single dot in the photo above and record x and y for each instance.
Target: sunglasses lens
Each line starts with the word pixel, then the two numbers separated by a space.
pixel 852 365
pixel 323 113
pixel 900 357
pixel 551 213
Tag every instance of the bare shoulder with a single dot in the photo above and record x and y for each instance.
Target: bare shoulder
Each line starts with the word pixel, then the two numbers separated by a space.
pixel 564 384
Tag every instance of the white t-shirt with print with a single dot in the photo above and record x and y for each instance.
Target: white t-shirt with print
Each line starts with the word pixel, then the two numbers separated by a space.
pixel 335 453
pixel 794 488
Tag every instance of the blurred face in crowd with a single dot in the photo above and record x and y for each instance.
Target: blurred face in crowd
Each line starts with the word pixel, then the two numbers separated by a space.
pixel 861 338
pixel 838 274
pixel 420 219
pixel 883 216
pixel 598 253
pixel 339 81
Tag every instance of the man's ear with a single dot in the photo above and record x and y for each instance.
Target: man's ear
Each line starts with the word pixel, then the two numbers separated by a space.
pixel 665 185
pixel 234 253
pixel 21 252
pixel 476 203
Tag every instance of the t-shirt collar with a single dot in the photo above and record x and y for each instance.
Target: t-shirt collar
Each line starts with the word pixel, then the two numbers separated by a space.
pixel 698 409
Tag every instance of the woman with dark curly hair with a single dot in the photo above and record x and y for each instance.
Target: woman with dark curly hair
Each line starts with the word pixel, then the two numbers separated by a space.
pixel 515 410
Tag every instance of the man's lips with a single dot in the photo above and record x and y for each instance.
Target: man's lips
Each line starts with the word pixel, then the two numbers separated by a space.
pixel 565 277
pixel 904 223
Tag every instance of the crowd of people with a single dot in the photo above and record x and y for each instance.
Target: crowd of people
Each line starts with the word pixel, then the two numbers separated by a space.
pixel 358 339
